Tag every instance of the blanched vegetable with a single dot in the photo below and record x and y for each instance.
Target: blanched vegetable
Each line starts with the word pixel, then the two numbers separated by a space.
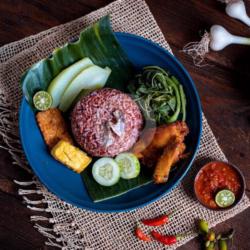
pixel 106 171
pixel 160 95
pixel 92 77
pixel 62 80
pixel 129 165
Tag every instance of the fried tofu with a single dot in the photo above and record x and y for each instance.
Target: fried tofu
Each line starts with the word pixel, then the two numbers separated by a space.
pixel 53 127
pixel 71 156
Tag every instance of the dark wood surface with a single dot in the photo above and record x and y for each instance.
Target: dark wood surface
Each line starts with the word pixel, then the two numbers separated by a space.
pixel 223 88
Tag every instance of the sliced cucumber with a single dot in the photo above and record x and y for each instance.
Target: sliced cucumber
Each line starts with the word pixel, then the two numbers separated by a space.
pixel 129 165
pixel 90 78
pixel 61 81
pixel 83 93
pixel 106 171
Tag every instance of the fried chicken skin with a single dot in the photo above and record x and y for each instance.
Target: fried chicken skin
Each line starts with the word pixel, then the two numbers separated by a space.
pixel 151 145
pixel 171 154
pixel 144 142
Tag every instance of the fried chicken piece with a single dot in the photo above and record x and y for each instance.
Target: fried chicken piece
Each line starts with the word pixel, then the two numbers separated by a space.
pixel 171 154
pixel 153 141
pixel 53 127
pixel 144 142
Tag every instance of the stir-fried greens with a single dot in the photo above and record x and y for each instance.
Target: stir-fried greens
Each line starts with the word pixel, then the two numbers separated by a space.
pixel 160 95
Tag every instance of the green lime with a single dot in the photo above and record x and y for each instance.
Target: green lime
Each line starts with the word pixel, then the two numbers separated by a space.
pixel 224 198
pixel 42 100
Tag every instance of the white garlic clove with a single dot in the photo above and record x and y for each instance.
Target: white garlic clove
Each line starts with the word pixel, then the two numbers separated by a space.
pixel 237 10
pixel 220 38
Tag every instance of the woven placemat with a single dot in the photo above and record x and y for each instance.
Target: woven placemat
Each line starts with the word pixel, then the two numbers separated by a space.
pixel 74 228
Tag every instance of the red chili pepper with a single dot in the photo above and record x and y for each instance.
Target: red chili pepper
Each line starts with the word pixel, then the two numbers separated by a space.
pixel 140 235
pixel 165 239
pixel 158 221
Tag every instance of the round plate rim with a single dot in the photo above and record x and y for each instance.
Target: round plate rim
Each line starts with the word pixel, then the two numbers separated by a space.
pixel 198 103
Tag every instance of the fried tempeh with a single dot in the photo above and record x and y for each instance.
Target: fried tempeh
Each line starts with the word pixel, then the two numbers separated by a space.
pixel 53 127
pixel 171 154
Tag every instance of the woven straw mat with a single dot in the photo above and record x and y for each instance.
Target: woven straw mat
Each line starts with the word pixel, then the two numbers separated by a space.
pixel 75 228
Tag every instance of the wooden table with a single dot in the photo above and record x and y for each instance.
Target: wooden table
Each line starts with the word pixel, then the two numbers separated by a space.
pixel 222 87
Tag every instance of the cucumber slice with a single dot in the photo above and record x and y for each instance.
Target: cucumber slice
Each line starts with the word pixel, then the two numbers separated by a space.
pixel 129 165
pixel 106 171
pixel 90 78
pixel 42 100
pixel 62 80
pixel 224 198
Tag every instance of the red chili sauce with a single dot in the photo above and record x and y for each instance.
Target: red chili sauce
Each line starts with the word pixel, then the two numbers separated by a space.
pixel 214 177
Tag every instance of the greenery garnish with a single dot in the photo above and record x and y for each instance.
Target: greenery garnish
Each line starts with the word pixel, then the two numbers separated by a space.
pixel 160 95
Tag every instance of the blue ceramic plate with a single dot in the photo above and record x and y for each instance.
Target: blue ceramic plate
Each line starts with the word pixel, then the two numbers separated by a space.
pixel 68 185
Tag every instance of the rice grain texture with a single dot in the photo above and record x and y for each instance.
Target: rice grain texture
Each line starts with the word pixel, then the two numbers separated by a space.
pixel 106 122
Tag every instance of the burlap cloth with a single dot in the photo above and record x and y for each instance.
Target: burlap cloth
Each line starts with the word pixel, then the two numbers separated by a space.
pixel 74 228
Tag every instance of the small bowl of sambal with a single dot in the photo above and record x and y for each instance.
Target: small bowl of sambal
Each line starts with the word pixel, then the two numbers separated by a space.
pixel 219 185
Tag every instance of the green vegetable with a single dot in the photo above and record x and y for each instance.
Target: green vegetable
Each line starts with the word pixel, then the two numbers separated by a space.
pixel 98 43
pixel 83 93
pixel 42 100
pixel 183 102
pixel 210 238
pixel 175 115
pixel 106 171
pixel 203 226
pixel 207 243
pixel 224 198
pixel 218 237
pixel 222 245
pixel 92 77
pixel 129 165
pixel 160 96
pixel 211 246
pixel 210 235
pixel 99 193
pixel 62 80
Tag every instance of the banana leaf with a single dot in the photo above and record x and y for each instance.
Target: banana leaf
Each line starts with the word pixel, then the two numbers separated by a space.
pixel 98 42
pixel 100 193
